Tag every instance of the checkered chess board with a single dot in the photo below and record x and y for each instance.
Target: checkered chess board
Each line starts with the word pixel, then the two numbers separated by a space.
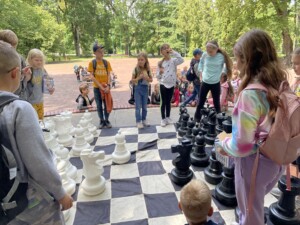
pixel 139 192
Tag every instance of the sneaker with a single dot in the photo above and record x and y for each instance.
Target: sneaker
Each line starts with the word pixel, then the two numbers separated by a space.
pixel 139 125
pixel 168 120
pixel 163 123
pixel 108 124
pixel 102 124
pixel 145 123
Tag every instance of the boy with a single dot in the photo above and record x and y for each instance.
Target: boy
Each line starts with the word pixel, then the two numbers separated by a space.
pixel 11 38
pixel 34 160
pixel 101 77
pixel 195 202
pixel 83 100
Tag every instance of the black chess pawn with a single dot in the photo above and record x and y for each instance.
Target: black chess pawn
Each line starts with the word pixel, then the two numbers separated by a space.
pixel 211 134
pixel 225 191
pixel 182 110
pixel 283 212
pixel 227 125
pixel 189 134
pixel 182 174
pixel 199 156
pixel 220 118
pixel 212 173
pixel 183 128
pixel 196 129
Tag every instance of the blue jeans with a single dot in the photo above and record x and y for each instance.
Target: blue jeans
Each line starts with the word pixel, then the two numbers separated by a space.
pixel 194 95
pixel 140 98
pixel 103 114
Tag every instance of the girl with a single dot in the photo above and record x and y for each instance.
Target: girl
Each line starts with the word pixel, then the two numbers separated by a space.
pixel 166 74
pixel 236 80
pixel 141 77
pixel 211 67
pixel 155 96
pixel 176 96
pixel 296 67
pixel 40 81
pixel 188 94
pixel 251 121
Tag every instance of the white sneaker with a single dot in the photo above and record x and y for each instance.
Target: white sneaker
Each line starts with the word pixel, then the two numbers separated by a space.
pixel 163 123
pixel 139 125
pixel 168 120
pixel 145 123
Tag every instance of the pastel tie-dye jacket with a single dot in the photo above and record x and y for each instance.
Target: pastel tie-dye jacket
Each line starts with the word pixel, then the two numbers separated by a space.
pixel 250 123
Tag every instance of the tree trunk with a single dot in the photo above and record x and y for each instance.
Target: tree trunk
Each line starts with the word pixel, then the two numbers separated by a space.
pixel 287 46
pixel 76 38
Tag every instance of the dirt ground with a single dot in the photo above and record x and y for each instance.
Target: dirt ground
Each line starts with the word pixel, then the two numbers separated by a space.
pixel 66 85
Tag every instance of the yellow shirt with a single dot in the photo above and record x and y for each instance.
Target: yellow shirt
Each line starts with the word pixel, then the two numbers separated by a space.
pixel 100 72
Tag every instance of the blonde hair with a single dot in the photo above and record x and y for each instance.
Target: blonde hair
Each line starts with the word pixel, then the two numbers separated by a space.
pixel 82 87
pixel 296 51
pixel 195 200
pixel 10 37
pixel 9 58
pixel 34 53
pixel 147 64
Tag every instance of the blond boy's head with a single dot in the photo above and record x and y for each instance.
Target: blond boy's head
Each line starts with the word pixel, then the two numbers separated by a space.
pixel 195 202
pixel 83 87
pixel 9 37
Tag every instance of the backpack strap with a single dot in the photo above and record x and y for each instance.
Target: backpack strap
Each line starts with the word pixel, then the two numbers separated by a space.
pixel 94 61
pixel 6 99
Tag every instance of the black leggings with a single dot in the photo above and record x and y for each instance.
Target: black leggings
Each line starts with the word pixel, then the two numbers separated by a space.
pixel 166 95
pixel 215 92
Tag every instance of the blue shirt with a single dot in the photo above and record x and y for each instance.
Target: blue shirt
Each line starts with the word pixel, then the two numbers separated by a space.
pixel 212 67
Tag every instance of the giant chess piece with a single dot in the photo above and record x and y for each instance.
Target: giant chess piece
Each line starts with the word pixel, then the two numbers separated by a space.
pixel 86 133
pixel 67 182
pixel 196 129
pixel 183 129
pixel 50 125
pixel 225 191
pixel 94 182
pixel 182 174
pixel 63 132
pixel 68 124
pixel 227 125
pixel 211 134
pixel 221 117
pixel 80 142
pixel 121 154
pixel 50 141
pixel 91 127
pixel 198 156
pixel 189 133
pixel 71 170
pixel 204 120
pixel 182 110
pixel 283 212
pixel 212 173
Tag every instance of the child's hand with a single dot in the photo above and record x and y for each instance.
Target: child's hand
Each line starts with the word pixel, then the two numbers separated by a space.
pixel 66 202
pixel 27 73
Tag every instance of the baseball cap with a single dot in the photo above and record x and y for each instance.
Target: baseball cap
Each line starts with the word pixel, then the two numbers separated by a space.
pixel 96 47
pixel 197 51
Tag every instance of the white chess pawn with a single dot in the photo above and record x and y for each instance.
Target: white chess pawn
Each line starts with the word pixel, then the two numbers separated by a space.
pixel 87 135
pixel 50 125
pixel 66 214
pixel 121 154
pixel 80 142
pixel 94 183
pixel 71 170
pixel 92 128
pixel 69 124
pixel 67 182
pixel 63 132
pixel 88 116
pixel 50 141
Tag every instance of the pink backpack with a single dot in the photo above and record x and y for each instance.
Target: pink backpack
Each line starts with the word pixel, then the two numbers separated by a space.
pixel 282 144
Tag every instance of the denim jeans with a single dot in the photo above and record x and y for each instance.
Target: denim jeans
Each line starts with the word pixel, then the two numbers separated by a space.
pixel 140 98
pixel 194 95
pixel 103 114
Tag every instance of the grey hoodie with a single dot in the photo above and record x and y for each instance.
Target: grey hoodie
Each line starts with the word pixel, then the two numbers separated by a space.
pixel 21 132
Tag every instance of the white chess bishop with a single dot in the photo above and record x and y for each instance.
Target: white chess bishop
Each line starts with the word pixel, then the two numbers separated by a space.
pixel 94 182
pixel 69 124
pixel 67 182
pixel 63 132
pixel 80 142
pixel 71 170
pixel 87 135
pixel 121 154
pixel 51 141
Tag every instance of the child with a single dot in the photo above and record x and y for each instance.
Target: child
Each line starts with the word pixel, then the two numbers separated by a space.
pixel 155 96
pixel 252 118
pixel 188 94
pixel 11 38
pixel 236 80
pixel 195 202
pixel 141 77
pixel 211 67
pixel 84 74
pixel 184 71
pixel 101 77
pixel 39 83
pixel 83 100
pixel 176 96
pixel 296 66
pixel 20 129
pixel 166 74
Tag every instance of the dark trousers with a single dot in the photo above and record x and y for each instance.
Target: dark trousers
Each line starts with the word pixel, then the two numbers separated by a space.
pixel 166 95
pixel 215 92
pixel 102 113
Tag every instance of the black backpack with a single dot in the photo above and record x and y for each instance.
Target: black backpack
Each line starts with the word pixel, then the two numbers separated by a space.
pixel 12 192
pixel 95 65
pixel 190 74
